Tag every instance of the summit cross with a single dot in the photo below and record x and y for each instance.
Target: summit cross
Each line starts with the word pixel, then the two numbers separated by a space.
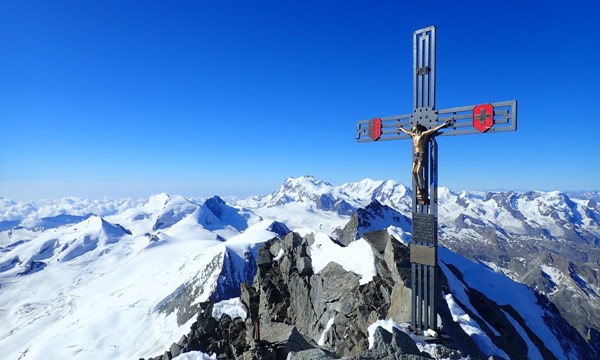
pixel 423 125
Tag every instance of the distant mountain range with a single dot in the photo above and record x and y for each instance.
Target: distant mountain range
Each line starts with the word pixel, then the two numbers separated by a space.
pixel 83 279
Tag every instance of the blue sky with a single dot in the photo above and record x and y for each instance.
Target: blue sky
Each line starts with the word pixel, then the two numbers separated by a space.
pixel 130 98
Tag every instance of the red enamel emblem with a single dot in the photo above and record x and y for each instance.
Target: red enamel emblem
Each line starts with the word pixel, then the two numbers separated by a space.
pixel 483 117
pixel 375 129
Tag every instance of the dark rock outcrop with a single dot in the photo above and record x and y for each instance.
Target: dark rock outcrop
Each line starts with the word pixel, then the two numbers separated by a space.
pixel 294 305
pixel 225 337
pixel 396 345
pixel 291 293
pixel 306 315
pixel 373 217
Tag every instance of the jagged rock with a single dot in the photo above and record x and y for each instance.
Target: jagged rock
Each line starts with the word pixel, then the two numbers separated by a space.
pixel 402 342
pixel 291 242
pixel 295 305
pixel 250 299
pixel 304 266
pixel 285 338
pixel 264 258
pixel 263 352
pixel 377 239
pixel 363 221
pixel 349 231
pixel 442 352
pixel 393 269
pixel 206 326
pixel 396 256
pixel 400 304
pixel 276 247
pixel 312 354
pixel 395 345
pixel 290 294
pixel 341 289
pixel 274 296
pixel 306 307
pixel 176 349
pixel 226 337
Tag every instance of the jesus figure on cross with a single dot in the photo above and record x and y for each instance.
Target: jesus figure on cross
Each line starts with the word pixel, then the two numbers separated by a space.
pixel 421 137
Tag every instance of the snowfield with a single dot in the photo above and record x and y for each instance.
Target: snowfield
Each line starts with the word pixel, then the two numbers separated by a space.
pixel 101 285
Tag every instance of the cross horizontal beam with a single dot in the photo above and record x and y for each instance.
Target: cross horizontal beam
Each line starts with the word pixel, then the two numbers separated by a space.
pixel 462 118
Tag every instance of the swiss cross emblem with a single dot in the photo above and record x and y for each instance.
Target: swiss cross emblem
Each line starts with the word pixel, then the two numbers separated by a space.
pixel 483 117
pixel 375 129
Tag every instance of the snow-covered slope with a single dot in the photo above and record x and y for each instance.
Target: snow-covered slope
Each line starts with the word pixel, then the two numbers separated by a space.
pixel 80 278
pixel 99 289
pixel 529 314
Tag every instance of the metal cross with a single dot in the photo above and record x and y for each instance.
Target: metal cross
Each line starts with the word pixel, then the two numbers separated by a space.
pixel 482 116
pixel 472 119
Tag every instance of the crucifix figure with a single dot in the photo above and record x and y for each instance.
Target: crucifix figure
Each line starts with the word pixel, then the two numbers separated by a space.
pixel 426 124
pixel 421 137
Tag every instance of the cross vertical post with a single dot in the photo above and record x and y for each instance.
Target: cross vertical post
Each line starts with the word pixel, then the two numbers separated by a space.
pixel 423 125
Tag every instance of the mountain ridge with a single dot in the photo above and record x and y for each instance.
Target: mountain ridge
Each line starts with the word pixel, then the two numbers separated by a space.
pixel 546 240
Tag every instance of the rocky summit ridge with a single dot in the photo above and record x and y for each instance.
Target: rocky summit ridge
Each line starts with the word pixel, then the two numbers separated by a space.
pixel 547 240
pixel 309 313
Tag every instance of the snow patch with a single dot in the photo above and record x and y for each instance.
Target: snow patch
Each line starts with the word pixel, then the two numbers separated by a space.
pixel 232 307
pixel 357 257
pixel 321 341
pixel 400 235
pixel 555 275
pixel 195 355
pixel 388 325
pixel 279 255
pixel 471 328
pixel 430 333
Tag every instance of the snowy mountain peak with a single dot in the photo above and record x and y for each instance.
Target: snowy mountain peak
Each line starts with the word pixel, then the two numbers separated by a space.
pixel 307 181
pixel 305 186
pixel 370 185
pixel 174 209
pixel 83 241
pixel 344 199
pixel 96 224
pixel 159 200
pixel 215 214
pixel 215 205
pixel 388 192
pixel 301 189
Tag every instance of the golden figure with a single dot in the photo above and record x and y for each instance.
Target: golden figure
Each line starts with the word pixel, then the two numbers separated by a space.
pixel 421 136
